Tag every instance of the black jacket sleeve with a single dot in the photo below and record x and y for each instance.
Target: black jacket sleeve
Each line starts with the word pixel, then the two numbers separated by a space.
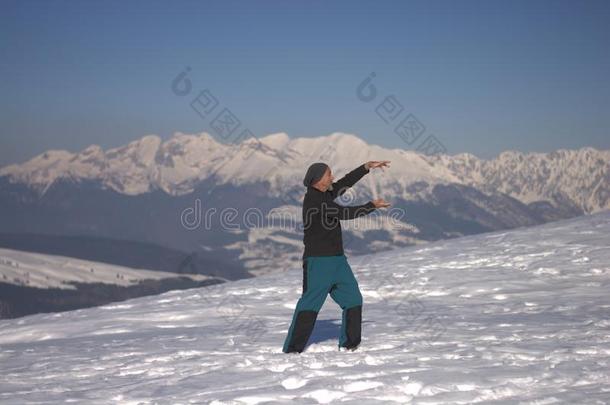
pixel 331 209
pixel 347 181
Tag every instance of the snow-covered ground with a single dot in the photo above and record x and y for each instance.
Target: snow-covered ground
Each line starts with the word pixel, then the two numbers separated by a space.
pixel 508 317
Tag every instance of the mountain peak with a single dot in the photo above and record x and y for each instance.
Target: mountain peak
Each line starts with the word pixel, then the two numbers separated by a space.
pixel 510 154
pixel 345 138
pixel 276 141
pixel 91 149
pixel 148 140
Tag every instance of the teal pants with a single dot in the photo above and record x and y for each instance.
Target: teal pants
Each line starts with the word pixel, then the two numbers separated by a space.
pixel 323 275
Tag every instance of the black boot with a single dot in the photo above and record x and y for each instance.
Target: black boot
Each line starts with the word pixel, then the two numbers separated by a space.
pixel 353 327
pixel 303 327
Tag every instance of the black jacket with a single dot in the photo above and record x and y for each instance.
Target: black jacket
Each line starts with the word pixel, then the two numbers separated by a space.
pixel 321 216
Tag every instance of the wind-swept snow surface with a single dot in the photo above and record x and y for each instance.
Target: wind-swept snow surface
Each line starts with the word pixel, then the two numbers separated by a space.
pixel 504 317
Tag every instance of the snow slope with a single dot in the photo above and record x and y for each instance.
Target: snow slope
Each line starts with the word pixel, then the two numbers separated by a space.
pixel 507 317
pixel 53 271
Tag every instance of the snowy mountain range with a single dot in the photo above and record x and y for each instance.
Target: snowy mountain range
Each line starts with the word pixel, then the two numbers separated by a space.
pixel 577 177
pixel 140 191
pixel 510 317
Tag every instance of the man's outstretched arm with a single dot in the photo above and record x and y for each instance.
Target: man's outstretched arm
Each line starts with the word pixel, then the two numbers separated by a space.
pixel 331 209
pixel 347 181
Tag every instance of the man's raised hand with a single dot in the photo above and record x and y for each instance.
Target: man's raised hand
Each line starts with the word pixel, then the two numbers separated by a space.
pixel 377 163
pixel 380 203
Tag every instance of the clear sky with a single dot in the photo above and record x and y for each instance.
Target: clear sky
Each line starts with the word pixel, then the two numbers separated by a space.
pixel 482 76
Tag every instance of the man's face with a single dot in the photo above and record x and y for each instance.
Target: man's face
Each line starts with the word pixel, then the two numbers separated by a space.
pixel 325 181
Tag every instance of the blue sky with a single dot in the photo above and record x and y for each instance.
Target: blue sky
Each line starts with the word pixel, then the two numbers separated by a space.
pixel 481 76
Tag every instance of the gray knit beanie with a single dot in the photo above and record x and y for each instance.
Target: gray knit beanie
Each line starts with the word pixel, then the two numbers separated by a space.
pixel 314 173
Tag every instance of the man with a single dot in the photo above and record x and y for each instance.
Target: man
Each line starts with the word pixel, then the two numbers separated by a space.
pixel 325 267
